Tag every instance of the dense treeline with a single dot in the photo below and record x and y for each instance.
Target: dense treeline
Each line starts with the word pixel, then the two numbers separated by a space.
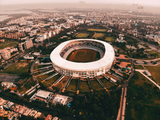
pixel 143 99
pixel 100 105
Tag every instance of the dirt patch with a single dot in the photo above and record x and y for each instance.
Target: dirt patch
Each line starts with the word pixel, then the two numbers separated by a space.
pixel 19 65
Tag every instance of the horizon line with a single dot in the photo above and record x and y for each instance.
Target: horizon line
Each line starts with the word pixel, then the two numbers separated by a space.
pixel 83 3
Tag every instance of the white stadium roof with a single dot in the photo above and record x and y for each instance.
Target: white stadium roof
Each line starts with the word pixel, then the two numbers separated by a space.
pixel 107 59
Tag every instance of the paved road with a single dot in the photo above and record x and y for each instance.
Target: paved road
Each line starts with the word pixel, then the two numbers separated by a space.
pixel 34 78
pixel 121 112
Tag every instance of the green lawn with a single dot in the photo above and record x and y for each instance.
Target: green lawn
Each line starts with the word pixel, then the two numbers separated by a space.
pixel 53 79
pixel 35 67
pixel 106 83
pixel 142 80
pixel 84 86
pixel 147 47
pixel 41 66
pixel 109 39
pixel 18 68
pixel 46 84
pixel 39 79
pixel 138 67
pixel 83 55
pixel 96 30
pixel 37 73
pixel 154 54
pixel 82 35
pixel 154 70
pixel 27 86
pixel 98 35
pixel 73 85
pixel 96 85
pixel 143 99
pixel 44 76
pixel 8 44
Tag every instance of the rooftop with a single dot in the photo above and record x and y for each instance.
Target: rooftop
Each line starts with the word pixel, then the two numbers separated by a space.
pixel 43 93
pixel 103 62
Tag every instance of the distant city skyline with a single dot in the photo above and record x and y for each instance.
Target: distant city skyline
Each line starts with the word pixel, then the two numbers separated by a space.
pixel 140 2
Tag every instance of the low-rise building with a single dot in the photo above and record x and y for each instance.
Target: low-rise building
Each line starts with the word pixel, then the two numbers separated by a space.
pixel 27 111
pixel 2 101
pixel 33 113
pixel 49 117
pixel 55 118
pixel 8 104
pixel 61 99
pixel 6 54
pixel 42 95
pixel 37 115
pixel 8 85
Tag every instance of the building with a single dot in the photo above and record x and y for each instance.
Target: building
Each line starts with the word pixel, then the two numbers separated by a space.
pixel 25 45
pixel 49 117
pixel 8 85
pixel 84 70
pixel 2 101
pixel 28 44
pixel 37 115
pixel 6 54
pixel 61 99
pixel 42 95
pixel 27 57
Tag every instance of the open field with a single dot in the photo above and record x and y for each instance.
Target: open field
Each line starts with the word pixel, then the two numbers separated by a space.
pixel 143 100
pixel 53 79
pixel 27 86
pixel 154 70
pixel 18 68
pixel 98 35
pixel 138 67
pixel 96 30
pixel 142 80
pixel 47 75
pixel 46 84
pixel 8 44
pixel 35 67
pixel 41 66
pixel 84 86
pixel 109 39
pixel 73 85
pixel 83 55
pixel 96 85
pixel 106 83
pixel 39 78
pixel 82 35
pixel 154 54
pixel 44 76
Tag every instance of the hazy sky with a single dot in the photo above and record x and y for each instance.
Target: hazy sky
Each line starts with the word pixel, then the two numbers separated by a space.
pixel 142 2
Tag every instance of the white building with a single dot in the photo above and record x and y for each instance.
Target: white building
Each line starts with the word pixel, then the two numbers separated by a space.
pixel 6 54
pixel 61 99
pixel 42 95
pixel 85 70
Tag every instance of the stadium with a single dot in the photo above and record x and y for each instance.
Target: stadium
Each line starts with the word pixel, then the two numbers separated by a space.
pixel 82 58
